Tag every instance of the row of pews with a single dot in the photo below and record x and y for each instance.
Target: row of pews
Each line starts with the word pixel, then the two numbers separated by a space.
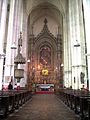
pixel 77 100
pixel 11 100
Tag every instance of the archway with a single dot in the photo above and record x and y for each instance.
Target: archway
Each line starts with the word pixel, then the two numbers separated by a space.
pixel 40 34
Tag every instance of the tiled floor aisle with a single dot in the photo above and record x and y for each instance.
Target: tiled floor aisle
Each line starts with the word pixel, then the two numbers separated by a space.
pixel 43 107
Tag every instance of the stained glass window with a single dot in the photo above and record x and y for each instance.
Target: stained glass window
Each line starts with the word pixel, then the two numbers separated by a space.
pixel 45 55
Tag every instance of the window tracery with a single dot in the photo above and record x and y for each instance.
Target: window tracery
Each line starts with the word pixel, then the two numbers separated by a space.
pixel 45 55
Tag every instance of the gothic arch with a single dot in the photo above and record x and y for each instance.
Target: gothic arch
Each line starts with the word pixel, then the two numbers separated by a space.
pixel 59 6
pixel 45 35
pixel 45 9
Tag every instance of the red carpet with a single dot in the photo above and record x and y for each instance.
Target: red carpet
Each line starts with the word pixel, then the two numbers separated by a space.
pixel 45 92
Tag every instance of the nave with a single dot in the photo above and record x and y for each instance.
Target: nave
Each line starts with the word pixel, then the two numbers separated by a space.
pixel 43 107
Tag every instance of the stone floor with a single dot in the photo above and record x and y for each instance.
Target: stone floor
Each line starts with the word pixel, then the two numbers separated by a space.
pixel 43 107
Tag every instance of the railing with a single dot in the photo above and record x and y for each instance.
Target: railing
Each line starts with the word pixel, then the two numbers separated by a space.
pixel 12 100
pixel 77 100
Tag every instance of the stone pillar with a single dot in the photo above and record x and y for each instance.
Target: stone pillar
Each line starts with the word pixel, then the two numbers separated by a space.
pixel 14 28
pixel 59 58
pixel 3 24
pixel 71 36
pixel 67 47
pixel 18 26
pixel 86 5
pixel 15 37
pixel 25 39
pixel 2 36
pixel 75 50
pixel 8 64
pixel 76 31
pixel 1 2
pixel 32 54
pixel 69 72
pixel 24 34
pixel 65 53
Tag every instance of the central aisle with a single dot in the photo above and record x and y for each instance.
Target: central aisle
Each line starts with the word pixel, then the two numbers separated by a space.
pixel 43 107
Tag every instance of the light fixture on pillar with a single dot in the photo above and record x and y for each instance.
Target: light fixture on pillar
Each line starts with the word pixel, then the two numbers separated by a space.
pixel 28 61
pixel 62 65
pixel 77 45
pixel 28 73
pixel 61 72
pixel 2 55
pixel 13 46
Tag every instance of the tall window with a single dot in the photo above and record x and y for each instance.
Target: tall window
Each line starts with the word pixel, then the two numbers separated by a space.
pixel 45 55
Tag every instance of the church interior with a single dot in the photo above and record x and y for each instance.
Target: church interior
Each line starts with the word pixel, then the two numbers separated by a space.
pixel 44 50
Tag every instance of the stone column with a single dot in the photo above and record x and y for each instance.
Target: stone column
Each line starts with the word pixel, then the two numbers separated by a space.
pixel 59 57
pixel 2 36
pixel 8 64
pixel 71 36
pixel 76 33
pixel 25 39
pixel 75 50
pixel 1 2
pixel 3 24
pixel 67 46
pixel 21 28
pixel 14 28
pixel 78 62
pixel 86 5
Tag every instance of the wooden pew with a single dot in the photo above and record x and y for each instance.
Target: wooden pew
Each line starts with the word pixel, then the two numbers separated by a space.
pixel 77 100
pixel 11 100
